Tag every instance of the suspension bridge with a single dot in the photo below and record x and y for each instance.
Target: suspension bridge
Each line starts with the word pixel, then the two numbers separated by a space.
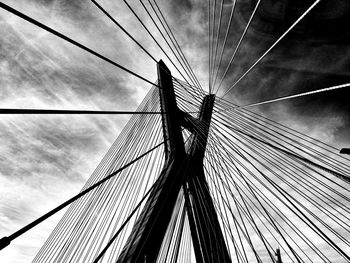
pixel 193 177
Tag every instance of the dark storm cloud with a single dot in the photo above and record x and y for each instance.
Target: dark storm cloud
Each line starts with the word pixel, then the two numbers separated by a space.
pixel 301 62
pixel 181 7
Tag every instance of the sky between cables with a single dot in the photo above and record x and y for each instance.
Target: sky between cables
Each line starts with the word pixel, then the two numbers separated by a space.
pixel 82 96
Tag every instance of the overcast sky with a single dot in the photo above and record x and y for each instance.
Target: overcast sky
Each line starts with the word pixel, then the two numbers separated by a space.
pixel 46 159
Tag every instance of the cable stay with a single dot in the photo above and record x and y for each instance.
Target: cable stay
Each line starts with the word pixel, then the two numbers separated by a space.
pixel 271 47
pixel 288 97
pixel 154 39
pixel 93 112
pixel 238 45
pixel 176 44
pixel 234 4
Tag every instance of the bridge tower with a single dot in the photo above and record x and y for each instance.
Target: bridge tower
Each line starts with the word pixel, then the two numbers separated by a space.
pixel 183 169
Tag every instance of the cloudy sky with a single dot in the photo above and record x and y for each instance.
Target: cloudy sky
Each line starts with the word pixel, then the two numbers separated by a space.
pixel 46 159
